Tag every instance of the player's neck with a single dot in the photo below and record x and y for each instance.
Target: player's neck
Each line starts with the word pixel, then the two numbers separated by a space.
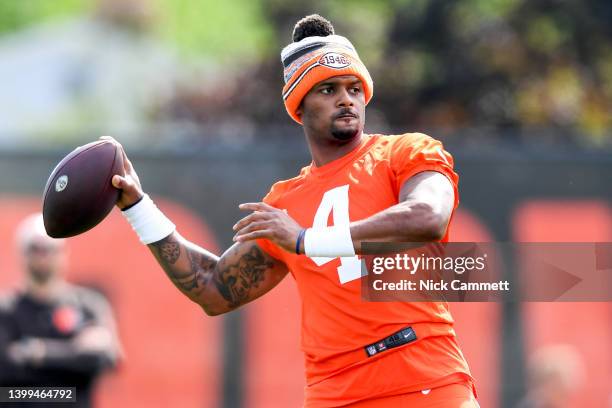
pixel 323 151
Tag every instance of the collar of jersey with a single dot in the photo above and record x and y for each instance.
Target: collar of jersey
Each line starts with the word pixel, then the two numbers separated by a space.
pixel 335 165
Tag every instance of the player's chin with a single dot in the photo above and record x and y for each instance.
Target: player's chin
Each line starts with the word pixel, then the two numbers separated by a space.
pixel 345 131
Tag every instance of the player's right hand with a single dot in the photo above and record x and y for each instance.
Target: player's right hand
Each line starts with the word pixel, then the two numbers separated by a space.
pixel 129 184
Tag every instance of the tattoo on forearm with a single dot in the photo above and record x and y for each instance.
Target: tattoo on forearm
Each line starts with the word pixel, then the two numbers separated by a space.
pixel 169 249
pixel 233 280
pixel 199 271
pixel 168 252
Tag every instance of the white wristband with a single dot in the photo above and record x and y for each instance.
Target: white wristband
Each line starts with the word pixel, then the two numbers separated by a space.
pixel 148 221
pixel 329 242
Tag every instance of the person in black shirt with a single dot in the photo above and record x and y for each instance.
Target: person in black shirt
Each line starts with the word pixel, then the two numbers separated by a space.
pixel 53 333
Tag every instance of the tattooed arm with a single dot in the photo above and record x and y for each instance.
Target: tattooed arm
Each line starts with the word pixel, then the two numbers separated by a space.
pixel 218 284
pixel 243 273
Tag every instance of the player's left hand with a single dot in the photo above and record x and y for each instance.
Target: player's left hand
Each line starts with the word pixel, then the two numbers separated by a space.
pixel 267 222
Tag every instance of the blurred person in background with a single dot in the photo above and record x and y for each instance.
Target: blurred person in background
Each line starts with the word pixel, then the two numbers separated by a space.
pixel 555 373
pixel 53 333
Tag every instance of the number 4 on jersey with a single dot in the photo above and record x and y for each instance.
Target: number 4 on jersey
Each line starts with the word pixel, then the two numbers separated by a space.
pixel 336 201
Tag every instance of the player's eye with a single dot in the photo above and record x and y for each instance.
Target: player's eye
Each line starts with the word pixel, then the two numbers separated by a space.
pixel 328 90
pixel 355 89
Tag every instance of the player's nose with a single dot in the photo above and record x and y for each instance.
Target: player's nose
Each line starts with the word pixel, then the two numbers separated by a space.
pixel 344 98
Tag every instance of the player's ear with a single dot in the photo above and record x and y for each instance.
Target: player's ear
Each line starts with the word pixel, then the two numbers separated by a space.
pixel 299 111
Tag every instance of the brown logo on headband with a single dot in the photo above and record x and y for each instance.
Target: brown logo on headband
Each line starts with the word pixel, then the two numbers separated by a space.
pixel 334 60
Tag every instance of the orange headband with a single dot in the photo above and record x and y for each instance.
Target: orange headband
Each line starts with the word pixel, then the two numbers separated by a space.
pixel 317 59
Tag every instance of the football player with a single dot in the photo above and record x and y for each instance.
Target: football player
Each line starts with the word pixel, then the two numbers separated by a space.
pixel 377 188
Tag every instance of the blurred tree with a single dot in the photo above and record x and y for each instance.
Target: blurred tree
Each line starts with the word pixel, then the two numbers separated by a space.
pixel 230 31
pixel 493 64
pixel 15 15
pixel 203 27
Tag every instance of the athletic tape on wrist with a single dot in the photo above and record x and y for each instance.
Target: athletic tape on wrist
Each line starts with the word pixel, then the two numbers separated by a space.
pixel 329 242
pixel 148 221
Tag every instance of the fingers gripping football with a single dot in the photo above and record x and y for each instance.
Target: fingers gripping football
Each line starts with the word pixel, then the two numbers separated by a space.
pixel 267 222
pixel 129 184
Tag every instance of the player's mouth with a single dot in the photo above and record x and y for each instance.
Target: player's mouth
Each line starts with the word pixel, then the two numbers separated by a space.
pixel 346 114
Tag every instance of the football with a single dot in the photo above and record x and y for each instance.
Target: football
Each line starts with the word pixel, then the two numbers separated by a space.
pixel 79 193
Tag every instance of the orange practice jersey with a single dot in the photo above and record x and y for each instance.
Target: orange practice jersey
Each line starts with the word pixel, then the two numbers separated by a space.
pixel 336 323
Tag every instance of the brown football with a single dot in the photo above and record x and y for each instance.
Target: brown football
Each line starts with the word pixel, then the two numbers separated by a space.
pixel 79 193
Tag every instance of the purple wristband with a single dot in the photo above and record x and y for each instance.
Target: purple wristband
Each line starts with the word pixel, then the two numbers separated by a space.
pixel 299 240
